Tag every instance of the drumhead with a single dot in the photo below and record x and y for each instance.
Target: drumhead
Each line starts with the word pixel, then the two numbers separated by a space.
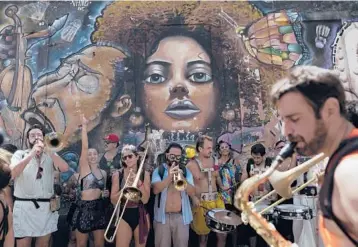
pixel 292 208
pixel 212 212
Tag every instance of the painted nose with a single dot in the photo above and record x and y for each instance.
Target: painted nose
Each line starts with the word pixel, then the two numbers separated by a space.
pixel 179 92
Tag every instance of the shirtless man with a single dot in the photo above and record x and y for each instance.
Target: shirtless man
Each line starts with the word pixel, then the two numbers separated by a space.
pixel 311 104
pixel 206 178
pixel 172 212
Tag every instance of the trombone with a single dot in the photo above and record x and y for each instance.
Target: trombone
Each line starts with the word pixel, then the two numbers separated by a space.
pixel 130 193
pixel 281 181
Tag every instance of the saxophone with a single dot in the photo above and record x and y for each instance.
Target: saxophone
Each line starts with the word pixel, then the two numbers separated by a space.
pixel 265 229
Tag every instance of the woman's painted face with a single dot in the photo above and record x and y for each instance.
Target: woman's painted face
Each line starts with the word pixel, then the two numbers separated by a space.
pixel 179 92
pixel 92 156
pixel 130 159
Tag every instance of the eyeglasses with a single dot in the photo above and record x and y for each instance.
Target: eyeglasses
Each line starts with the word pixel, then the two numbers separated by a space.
pixel 129 156
pixel 39 173
pixel 174 157
pixel 108 142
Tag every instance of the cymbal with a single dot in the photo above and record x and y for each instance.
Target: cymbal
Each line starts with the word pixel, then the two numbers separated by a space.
pixel 228 218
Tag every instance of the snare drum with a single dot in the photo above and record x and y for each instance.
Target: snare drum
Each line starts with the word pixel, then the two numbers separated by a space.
pixel 293 212
pixel 222 220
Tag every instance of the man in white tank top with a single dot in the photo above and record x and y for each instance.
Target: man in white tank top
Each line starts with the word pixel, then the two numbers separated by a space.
pixel 33 173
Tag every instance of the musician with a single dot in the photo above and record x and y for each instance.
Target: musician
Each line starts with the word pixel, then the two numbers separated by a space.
pixel 311 105
pixel 6 227
pixel 258 164
pixel 284 227
pixel 33 173
pixel 206 178
pixel 172 211
pixel 135 221
pixel 89 215
pixel 230 172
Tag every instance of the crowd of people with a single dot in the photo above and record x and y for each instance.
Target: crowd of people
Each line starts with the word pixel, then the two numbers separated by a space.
pixel 311 105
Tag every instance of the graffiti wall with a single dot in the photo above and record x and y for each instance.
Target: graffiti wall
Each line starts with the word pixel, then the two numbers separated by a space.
pixel 184 67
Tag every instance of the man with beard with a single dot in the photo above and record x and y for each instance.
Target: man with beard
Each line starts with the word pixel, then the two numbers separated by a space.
pixel 206 178
pixel 311 105
pixel 172 212
pixel 33 173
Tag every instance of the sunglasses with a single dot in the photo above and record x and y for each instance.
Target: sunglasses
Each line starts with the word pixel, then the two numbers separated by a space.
pixel 129 156
pixel 174 157
pixel 224 147
pixel 39 173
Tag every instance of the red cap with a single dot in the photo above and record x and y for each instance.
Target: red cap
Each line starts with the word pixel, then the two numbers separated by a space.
pixel 112 138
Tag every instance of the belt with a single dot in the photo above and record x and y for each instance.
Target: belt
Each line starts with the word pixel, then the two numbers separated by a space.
pixel 180 212
pixel 209 196
pixel 33 200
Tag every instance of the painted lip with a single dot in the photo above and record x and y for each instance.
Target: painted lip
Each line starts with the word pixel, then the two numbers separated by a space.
pixel 182 109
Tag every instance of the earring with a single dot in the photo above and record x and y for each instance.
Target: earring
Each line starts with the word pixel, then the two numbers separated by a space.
pixel 136 118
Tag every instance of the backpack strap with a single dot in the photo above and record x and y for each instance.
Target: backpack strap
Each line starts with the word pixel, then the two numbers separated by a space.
pixel 161 175
pixel 346 147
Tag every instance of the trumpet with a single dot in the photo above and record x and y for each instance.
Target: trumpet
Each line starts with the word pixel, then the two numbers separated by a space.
pixel 130 192
pixel 54 141
pixel 179 181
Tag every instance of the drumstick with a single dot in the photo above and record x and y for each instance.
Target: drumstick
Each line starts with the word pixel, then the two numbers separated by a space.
pixel 232 186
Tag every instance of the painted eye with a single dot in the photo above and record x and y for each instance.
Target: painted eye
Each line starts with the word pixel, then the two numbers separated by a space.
pixel 88 84
pixel 200 77
pixel 155 79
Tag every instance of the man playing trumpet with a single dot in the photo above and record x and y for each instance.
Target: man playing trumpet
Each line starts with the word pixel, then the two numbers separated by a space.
pixel 33 173
pixel 172 184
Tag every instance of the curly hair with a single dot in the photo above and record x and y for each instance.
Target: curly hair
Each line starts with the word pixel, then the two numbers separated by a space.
pixel 138 27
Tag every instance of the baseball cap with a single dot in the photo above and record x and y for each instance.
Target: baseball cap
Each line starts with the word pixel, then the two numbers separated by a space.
pixel 112 138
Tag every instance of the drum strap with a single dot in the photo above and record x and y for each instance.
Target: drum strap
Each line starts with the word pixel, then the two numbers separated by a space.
pixel 209 171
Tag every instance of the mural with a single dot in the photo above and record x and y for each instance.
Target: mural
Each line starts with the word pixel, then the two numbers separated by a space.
pixel 184 67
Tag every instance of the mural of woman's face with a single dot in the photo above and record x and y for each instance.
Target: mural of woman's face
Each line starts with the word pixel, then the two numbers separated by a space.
pixel 179 92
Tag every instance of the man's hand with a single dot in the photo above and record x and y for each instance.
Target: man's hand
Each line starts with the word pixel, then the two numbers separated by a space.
pixel 173 170
pixel 105 193
pixel 84 119
pixel 37 148
pixel 196 202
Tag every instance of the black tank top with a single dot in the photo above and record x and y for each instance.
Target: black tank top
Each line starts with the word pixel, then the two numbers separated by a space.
pixel 4 224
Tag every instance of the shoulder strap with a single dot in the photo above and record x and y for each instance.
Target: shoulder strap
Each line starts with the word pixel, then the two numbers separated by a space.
pixel 161 171
pixel 346 147
pixel 161 174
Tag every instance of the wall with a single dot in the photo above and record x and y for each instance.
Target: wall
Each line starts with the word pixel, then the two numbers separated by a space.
pixel 184 67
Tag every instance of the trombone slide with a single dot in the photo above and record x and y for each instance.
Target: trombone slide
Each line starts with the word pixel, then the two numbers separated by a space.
pixel 130 193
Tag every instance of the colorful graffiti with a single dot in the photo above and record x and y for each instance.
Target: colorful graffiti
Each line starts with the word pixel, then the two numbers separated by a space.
pixel 184 67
